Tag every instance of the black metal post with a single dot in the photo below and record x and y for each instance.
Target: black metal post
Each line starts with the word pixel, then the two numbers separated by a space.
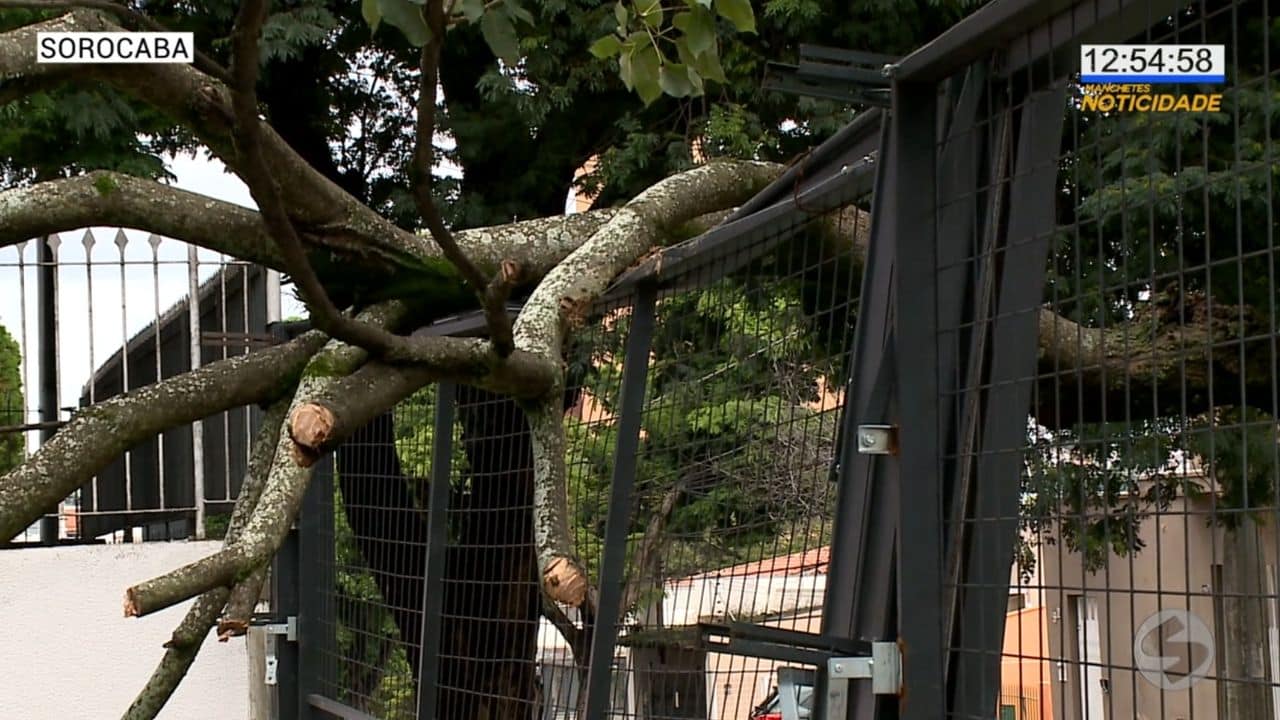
pixel 859 597
pixel 284 602
pixel 994 521
pixel 914 151
pixel 47 297
pixel 315 582
pixel 635 372
pixel 437 550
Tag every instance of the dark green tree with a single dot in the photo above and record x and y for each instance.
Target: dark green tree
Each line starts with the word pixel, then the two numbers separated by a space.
pixel 12 409
pixel 1167 260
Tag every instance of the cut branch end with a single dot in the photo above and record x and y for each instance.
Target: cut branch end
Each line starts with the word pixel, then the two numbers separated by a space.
pixel 565 581
pixel 311 426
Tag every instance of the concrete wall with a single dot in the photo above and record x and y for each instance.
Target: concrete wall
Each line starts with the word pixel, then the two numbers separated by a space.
pixel 67 652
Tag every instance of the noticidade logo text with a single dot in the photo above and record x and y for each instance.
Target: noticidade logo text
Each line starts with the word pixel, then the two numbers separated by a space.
pixel 1138 97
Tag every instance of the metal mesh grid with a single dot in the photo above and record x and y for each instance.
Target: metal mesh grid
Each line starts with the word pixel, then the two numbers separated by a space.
pixel 1130 572
pixel 734 498
pixel 729 520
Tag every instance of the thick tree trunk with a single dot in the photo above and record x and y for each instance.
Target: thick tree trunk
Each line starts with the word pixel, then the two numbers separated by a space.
pixel 1247 692
pixel 492 597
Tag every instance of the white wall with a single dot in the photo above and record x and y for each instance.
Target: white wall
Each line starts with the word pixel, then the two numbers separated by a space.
pixel 68 653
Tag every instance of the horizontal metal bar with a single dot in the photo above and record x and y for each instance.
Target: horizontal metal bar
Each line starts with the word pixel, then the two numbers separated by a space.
pixel 859 138
pixel 783 636
pixel 770 651
pixel 49 425
pixel 987 30
pixel 858 78
pixel 826 52
pixel 732 245
pixel 337 709
pixel 836 83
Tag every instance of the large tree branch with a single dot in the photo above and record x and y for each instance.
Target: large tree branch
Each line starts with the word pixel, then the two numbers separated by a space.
pixel 563 298
pixel 492 293
pixel 109 198
pixel 185 643
pixel 263 185
pixel 1164 362
pixel 352 402
pixel 118 200
pixel 101 433
pixel 281 498
pixel 202 104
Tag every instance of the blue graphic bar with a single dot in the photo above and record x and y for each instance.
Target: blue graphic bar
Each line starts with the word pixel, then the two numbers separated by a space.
pixel 1098 78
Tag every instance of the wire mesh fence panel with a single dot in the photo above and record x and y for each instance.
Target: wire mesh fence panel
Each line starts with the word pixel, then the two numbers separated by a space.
pixel 717 510
pixel 94 314
pixel 1110 423
pixel 734 498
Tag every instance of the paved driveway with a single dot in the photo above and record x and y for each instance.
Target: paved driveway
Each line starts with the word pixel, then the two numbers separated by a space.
pixel 68 653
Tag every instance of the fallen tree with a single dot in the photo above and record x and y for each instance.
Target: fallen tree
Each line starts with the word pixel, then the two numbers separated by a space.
pixel 369 285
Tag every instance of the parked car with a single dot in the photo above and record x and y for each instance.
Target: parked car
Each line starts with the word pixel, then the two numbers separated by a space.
pixel 771 708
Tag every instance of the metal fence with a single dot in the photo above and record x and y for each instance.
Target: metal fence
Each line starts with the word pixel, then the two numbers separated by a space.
pixel 703 421
pixel 1030 472
pixel 96 313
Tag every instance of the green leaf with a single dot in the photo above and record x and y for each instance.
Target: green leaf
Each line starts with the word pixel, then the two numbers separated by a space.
pixel 372 15
pixel 645 63
pixel 650 12
pixel 625 70
pixel 739 13
pixel 699 28
pixel 695 80
pixel 620 12
pixel 673 78
pixel 472 9
pixel 708 66
pixel 606 47
pixel 517 11
pixel 500 34
pixel 408 17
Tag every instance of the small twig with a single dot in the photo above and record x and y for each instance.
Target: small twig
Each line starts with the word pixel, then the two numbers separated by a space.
pixel 491 293
pixel 262 186
pixel 573 635
pixel 241 605
pixel 204 63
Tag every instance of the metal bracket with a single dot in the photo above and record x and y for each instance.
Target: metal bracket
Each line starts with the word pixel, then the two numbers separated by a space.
pixel 289 629
pixel 877 439
pixel 883 669
pixel 790 680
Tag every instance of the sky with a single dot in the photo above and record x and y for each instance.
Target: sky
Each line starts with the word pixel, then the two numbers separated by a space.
pixel 155 277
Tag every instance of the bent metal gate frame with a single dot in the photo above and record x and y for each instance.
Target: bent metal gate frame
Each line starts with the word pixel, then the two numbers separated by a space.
pixel 1029 472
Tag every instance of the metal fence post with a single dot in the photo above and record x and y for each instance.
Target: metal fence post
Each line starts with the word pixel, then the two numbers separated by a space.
pixel 284 603
pixel 47 294
pixel 914 143
pixel 315 563
pixel 635 373
pixel 196 350
pixel 437 549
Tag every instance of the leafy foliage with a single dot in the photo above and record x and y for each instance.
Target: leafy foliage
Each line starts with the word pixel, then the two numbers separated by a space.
pixel 12 409
pixel 1158 208
pixel 734 459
